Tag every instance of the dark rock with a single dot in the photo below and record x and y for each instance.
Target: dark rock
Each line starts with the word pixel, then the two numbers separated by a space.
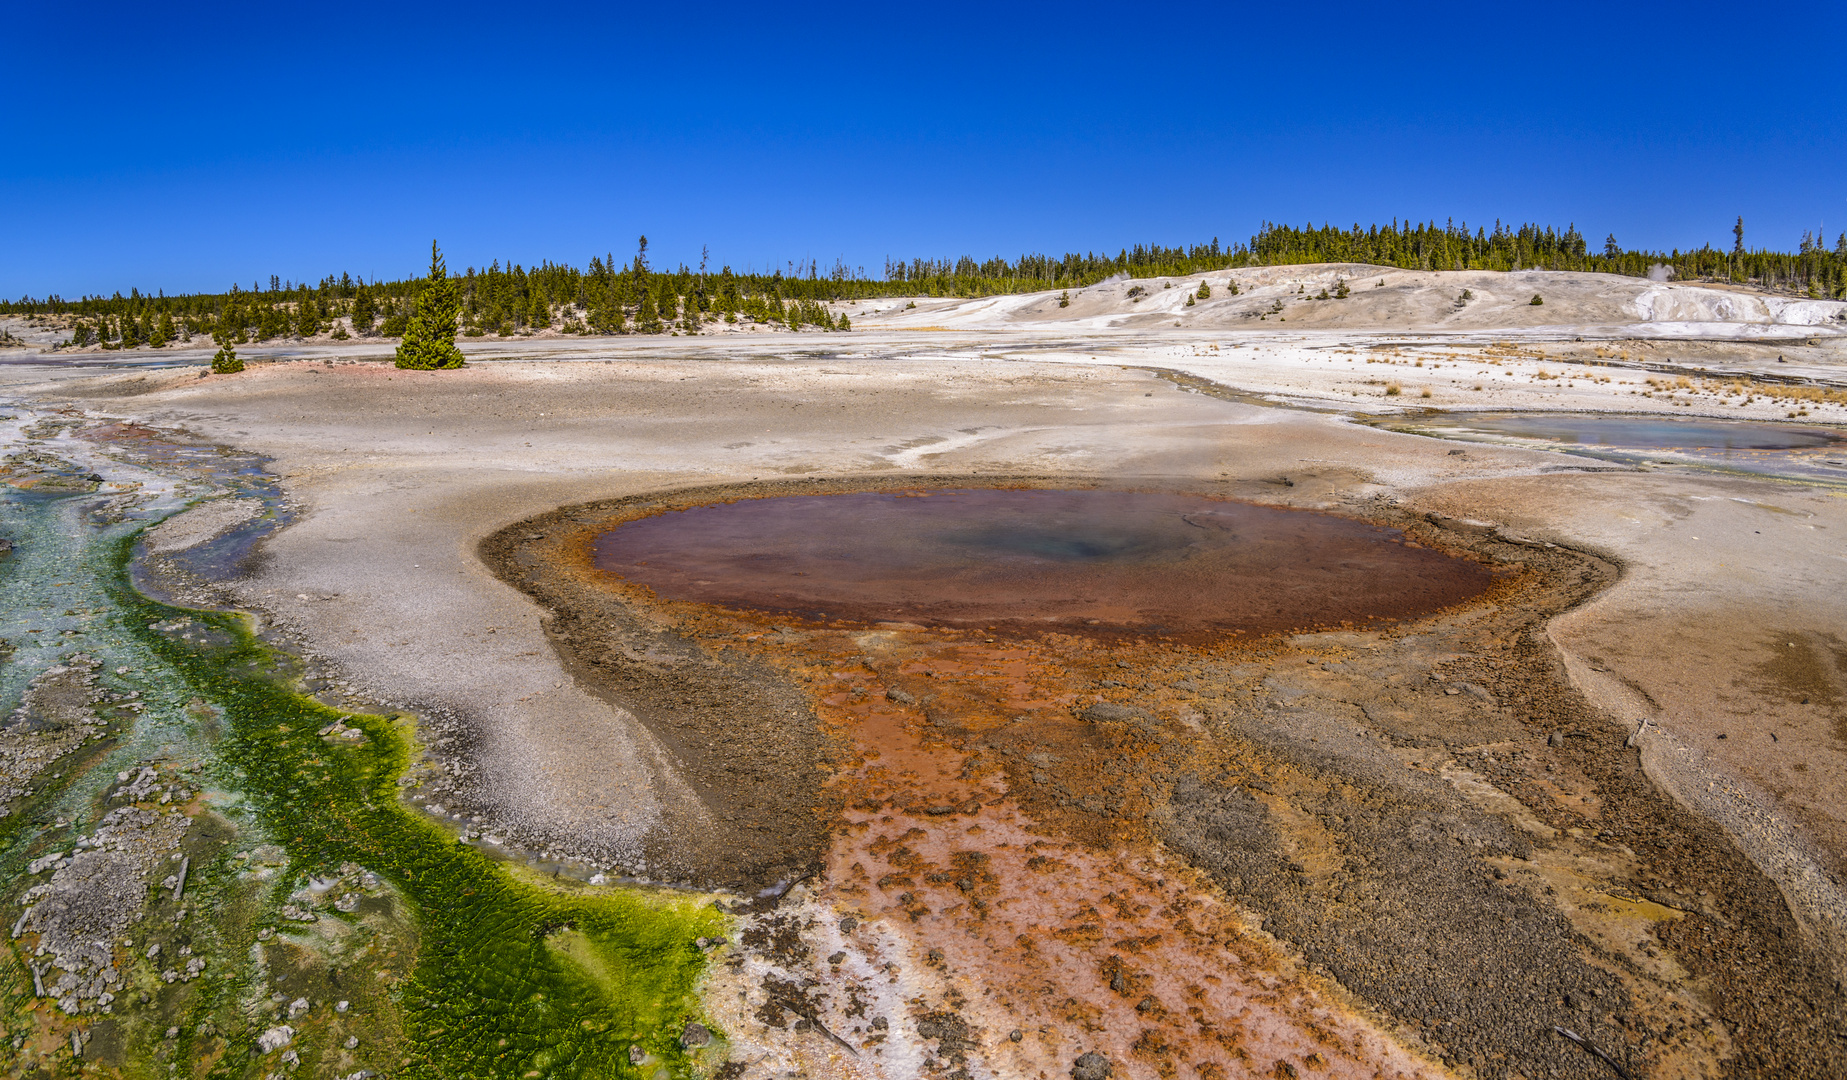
pixel 899 696
pixel 1109 712
pixel 695 1036
pixel 848 924
pixel 1016 1035
pixel 1091 1066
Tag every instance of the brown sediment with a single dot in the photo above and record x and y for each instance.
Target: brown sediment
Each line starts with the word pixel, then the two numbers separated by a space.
pixel 1357 833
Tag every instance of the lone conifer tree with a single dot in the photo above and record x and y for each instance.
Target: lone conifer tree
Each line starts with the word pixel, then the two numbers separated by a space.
pixel 429 340
pixel 225 361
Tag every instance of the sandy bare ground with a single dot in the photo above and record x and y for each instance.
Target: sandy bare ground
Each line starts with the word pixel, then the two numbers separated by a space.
pixel 1720 628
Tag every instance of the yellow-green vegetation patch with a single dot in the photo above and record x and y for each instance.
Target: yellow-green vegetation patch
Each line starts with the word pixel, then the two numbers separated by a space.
pixel 510 977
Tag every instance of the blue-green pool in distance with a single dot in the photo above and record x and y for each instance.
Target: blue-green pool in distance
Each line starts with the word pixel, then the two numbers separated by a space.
pixel 1796 451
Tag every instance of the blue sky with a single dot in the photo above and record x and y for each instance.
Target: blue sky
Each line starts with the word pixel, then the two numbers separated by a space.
pixel 185 149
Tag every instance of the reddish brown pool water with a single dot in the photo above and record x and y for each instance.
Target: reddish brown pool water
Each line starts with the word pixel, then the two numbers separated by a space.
pixel 1108 562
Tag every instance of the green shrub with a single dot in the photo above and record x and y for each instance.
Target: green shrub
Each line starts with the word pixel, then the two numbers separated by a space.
pixel 1535 301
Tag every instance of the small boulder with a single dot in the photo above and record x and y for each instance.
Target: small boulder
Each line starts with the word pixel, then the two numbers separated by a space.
pixel 1091 1066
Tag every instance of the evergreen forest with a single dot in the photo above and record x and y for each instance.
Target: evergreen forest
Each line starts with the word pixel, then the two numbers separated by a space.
pixel 636 298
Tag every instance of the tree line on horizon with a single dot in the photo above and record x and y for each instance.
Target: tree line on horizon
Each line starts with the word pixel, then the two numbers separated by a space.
pixel 636 298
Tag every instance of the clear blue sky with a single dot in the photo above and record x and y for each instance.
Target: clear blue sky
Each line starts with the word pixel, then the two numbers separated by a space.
pixel 182 147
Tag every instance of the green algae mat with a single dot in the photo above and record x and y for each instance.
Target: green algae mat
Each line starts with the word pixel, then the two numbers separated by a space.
pixel 270 905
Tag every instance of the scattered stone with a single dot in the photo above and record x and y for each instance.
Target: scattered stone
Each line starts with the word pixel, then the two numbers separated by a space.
pixel 1091 1066
pixel 694 1036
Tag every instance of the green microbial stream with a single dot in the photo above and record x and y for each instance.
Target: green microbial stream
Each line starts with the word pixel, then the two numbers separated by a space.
pixel 514 978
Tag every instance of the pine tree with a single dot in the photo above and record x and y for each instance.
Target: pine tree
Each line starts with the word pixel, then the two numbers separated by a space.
pixel 225 361
pixel 307 320
pixel 1738 237
pixel 1611 249
pixel 365 313
pixel 845 323
pixel 665 302
pixel 1205 291
pixel 538 312
pixel 163 331
pixel 648 319
pixel 689 314
pixel 606 317
pixel 429 340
